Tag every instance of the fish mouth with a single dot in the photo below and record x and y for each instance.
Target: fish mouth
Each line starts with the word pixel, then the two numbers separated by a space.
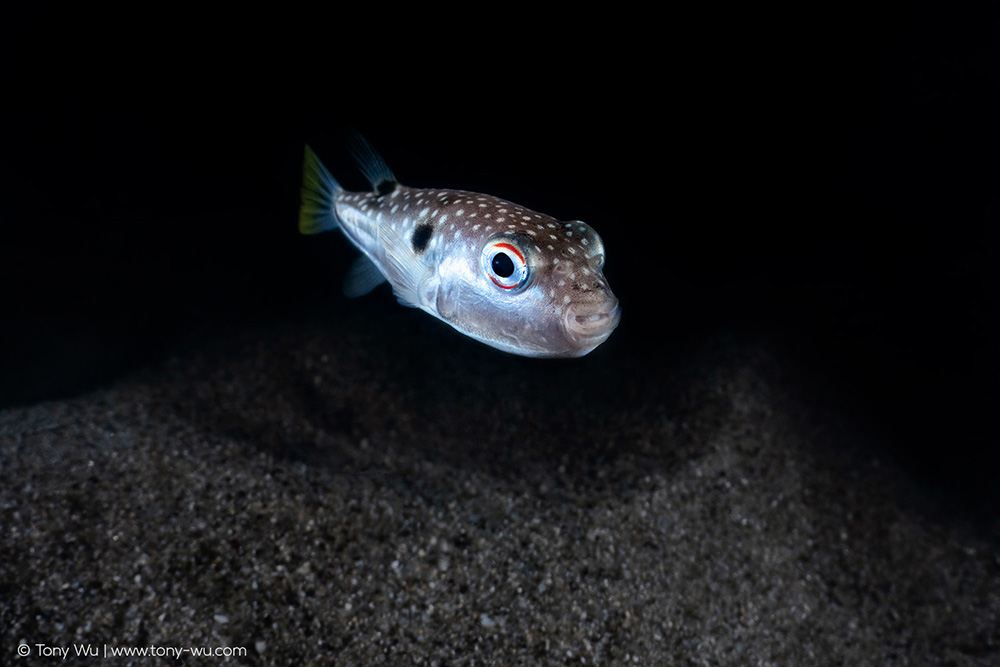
pixel 589 325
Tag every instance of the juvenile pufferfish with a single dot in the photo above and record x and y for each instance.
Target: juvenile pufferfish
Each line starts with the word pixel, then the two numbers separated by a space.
pixel 517 280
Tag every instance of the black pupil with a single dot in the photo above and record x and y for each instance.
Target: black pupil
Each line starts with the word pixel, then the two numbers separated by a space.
pixel 503 265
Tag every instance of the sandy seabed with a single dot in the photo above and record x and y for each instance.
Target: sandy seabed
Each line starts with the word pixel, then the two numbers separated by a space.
pixel 332 492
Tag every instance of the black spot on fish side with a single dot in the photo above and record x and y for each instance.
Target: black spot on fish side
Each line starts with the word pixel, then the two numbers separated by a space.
pixel 385 187
pixel 421 237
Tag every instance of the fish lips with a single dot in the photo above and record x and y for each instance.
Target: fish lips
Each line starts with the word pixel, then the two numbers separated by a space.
pixel 587 325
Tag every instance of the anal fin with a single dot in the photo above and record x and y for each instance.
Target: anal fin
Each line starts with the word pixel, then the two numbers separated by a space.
pixel 362 277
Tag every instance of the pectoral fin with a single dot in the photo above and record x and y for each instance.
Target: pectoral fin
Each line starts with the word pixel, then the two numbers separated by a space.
pixel 413 282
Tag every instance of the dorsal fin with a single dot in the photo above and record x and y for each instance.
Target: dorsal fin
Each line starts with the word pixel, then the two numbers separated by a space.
pixel 372 165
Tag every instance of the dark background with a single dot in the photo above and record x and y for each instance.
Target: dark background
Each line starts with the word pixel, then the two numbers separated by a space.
pixel 823 178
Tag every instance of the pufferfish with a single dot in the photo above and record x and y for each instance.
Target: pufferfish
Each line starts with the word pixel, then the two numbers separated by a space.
pixel 514 279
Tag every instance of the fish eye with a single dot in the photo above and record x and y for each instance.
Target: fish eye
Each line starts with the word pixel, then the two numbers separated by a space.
pixel 504 264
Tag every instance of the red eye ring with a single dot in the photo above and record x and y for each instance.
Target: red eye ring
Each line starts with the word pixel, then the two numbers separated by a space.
pixel 511 258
